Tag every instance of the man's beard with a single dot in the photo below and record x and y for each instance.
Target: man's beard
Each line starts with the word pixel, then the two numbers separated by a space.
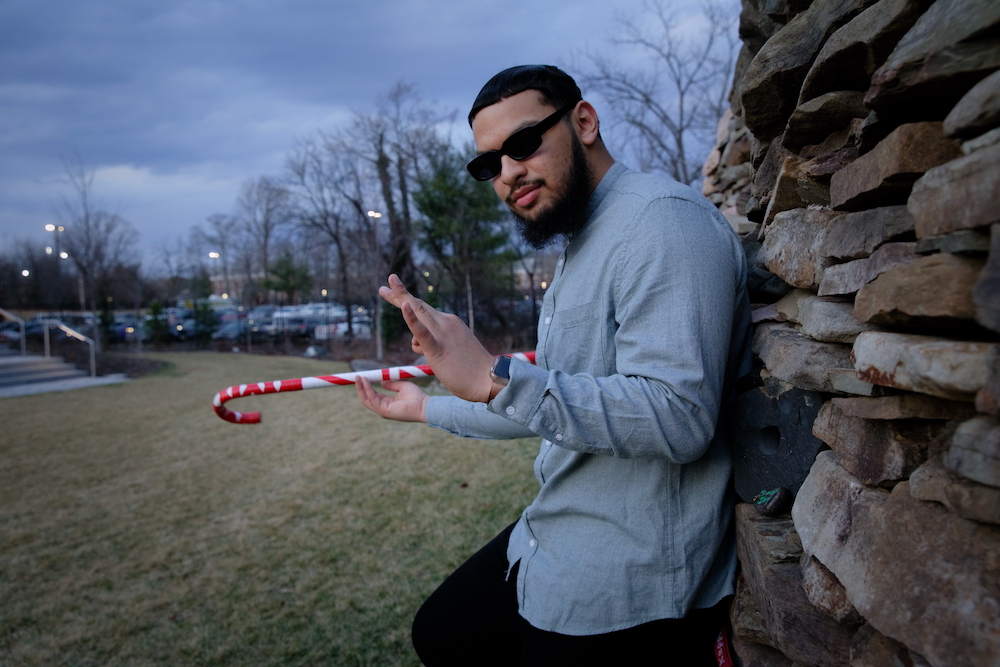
pixel 568 214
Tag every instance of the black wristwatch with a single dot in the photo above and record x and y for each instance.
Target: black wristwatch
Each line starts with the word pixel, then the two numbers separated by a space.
pixel 501 369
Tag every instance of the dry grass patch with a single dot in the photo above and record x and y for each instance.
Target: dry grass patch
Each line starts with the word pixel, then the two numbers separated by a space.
pixel 138 528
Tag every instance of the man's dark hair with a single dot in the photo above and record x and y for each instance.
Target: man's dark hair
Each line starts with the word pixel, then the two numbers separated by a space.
pixel 556 87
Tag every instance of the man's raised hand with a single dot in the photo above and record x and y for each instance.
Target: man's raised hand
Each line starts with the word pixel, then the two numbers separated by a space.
pixel 457 357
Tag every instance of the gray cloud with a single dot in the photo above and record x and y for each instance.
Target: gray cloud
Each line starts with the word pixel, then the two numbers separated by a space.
pixel 175 104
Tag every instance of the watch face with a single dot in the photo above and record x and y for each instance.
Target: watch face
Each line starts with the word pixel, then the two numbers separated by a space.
pixel 501 369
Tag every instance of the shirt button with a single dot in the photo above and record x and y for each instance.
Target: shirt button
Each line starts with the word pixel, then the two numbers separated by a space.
pixel 559 437
pixel 510 410
pixel 532 543
pixel 548 320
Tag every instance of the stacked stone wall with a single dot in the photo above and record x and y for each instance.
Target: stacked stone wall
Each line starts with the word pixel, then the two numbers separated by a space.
pixel 861 163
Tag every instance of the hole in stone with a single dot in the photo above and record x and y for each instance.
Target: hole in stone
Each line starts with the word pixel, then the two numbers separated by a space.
pixel 768 439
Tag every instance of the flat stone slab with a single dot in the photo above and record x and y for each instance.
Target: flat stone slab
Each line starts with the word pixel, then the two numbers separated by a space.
pixel 845 381
pixel 825 319
pixel 939 59
pixel 986 293
pixel 814 120
pixel 798 360
pixel 978 111
pixel 876 451
pixel 960 194
pixel 951 369
pixel 975 450
pixel 856 235
pixel 962 241
pixel 849 277
pixel 904 406
pixel 794 189
pixel 826 593
pixel 896 558
pixel 885 175
pixel 849 58
pixel 791 247
pixel 769 551
pixel 988 397
pixel 935 286
pixel 831 321
pixel 769 90
pixel 969 500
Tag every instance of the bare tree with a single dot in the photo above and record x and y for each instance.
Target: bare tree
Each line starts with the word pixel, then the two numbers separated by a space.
pixel 672 103
pixel 317 178
pixel 220 236
pixel 262 209
pixel 98 242
pixel 397 139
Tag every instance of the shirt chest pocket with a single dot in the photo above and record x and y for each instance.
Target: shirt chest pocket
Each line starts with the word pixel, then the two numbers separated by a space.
pixel 579 341
pixel 578 316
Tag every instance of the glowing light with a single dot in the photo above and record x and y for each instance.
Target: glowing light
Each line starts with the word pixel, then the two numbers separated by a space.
pixel 26 273
pixel 50 227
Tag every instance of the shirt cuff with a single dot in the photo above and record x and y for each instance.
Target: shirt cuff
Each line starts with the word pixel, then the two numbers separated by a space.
pixel 520 399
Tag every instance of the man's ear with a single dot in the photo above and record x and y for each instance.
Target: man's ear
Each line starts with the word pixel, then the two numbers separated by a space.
pixel 586 123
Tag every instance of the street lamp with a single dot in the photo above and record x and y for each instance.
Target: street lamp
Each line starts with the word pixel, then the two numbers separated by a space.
pixel 56 230
pixel 326 313
pixel 375 215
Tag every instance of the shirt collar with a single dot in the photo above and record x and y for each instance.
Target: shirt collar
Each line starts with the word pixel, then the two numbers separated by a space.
pixel 602 190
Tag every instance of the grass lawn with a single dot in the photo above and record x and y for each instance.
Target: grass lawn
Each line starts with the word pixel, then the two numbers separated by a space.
pixel 137 528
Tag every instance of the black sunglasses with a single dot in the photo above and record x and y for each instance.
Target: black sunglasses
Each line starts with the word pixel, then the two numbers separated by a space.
pixel 519 146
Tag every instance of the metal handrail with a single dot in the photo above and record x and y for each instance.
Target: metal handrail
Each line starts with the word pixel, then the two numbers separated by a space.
pixel 75 334
pixel 12 316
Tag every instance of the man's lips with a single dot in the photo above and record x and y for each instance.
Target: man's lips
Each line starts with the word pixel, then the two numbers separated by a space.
pixel 525 195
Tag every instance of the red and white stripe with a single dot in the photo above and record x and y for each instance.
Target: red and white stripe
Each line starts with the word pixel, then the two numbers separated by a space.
pixel 298 384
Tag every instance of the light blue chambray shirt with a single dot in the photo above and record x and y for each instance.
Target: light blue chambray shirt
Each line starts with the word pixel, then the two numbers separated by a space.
pixel 642 334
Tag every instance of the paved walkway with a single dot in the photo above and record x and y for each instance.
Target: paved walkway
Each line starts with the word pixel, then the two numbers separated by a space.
pixel 62 385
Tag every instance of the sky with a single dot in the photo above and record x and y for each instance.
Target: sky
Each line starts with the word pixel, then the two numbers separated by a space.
pixel 173 105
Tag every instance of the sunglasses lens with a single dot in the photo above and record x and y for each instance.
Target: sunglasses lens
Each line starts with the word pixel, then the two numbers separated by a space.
pixel 523 143
pixel 485 166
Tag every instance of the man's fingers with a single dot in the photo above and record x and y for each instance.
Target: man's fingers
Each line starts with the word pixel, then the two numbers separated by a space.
pixel 421 333
pixel 388 295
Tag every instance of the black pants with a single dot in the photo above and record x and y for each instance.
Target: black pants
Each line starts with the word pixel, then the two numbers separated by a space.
pixel 472 619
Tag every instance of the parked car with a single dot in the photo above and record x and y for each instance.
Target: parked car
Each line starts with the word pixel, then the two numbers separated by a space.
pixel 362 325
pixel 230 330
pixel 295 327
pixel 10 331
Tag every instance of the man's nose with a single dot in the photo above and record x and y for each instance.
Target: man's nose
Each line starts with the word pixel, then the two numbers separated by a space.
pixel 511 170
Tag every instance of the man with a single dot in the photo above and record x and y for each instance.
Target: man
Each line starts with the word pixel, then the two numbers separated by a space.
pixel 627 550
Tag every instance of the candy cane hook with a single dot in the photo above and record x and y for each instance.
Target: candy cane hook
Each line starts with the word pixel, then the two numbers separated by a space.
pixel 317 382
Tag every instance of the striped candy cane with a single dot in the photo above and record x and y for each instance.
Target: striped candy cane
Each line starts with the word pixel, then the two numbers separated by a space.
pixel 298 384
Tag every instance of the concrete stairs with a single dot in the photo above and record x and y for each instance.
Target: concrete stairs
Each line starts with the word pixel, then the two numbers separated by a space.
pixel 23 375
pixel 18 370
